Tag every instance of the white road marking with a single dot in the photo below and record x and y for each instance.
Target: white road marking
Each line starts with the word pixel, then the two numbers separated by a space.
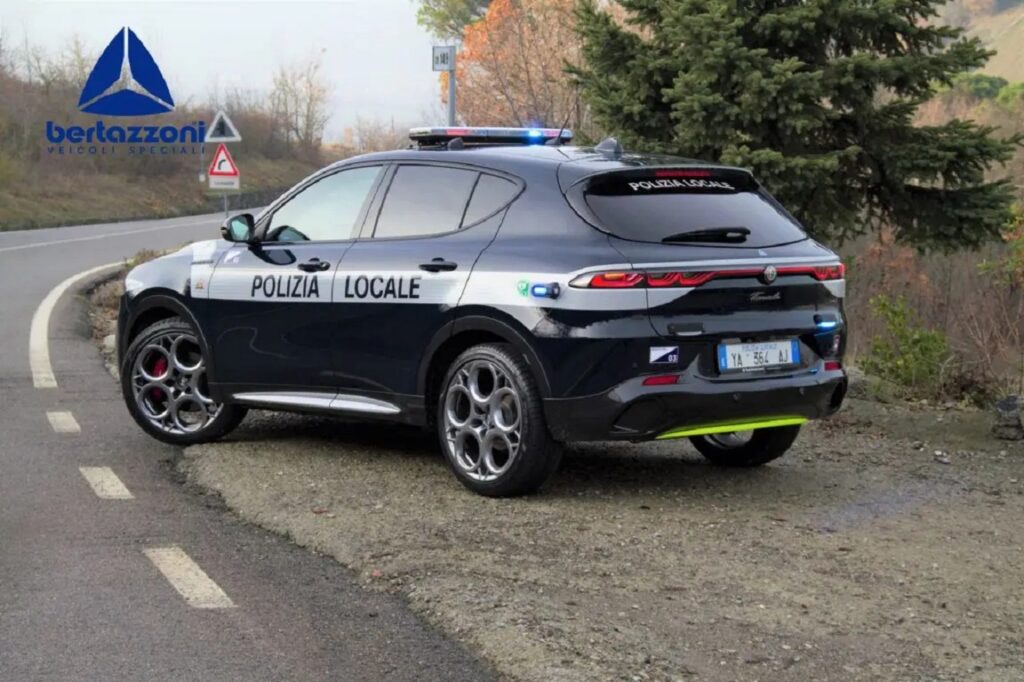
pixel 106 484
pixel 187 578
pixel 94 237
pixel 63 422
pixel 39 332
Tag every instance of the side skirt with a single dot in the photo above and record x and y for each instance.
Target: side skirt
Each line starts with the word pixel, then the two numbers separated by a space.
pixel 318 402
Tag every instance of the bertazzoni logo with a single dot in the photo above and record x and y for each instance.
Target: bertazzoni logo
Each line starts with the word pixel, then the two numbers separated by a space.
pixel 126 81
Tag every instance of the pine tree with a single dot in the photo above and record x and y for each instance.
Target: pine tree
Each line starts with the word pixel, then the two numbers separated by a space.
pixel 817 97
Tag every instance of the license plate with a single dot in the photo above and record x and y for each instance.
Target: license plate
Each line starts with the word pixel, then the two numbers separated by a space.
pixel 748 357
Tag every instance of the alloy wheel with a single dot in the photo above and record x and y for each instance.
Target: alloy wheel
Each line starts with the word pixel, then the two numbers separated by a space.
pixel 482 420
pixel 170 385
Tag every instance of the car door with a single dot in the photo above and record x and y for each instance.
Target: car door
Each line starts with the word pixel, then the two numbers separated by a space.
pixel 269 302
pixel 399 285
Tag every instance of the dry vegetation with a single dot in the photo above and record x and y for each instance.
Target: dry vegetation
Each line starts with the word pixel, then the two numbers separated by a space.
pixel 282 132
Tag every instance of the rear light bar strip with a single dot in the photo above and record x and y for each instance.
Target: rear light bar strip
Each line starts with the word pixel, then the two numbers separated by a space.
pixel 631 279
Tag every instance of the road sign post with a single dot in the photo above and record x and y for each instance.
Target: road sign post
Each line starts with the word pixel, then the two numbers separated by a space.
pixel 444 60
pixel 223 173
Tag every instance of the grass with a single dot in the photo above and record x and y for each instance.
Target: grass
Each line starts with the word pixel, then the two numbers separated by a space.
pixel 40 196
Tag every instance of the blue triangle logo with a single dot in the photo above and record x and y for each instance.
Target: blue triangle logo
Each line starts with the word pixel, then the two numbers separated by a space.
pixel 126 81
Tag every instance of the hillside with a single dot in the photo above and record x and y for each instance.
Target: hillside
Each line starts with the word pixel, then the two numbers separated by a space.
pixel 1003 32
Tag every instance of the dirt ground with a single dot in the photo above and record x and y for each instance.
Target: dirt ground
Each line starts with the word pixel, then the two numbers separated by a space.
pixel 886 545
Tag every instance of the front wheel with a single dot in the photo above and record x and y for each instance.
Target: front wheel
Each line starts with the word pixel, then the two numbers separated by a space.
pixel 491 423
pixel 164 382
pixel 746 448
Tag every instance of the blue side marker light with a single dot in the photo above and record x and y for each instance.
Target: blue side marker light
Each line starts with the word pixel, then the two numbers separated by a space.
pixel 826 323
pixel 545 290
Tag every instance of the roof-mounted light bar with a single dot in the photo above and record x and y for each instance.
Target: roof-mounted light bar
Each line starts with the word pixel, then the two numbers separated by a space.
pixel 479 135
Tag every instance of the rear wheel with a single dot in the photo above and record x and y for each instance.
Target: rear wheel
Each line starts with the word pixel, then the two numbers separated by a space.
pixel 746 448
pixel 164 382
pixel 491 424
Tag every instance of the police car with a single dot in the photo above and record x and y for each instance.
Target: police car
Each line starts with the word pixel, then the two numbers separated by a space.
pixel 510 292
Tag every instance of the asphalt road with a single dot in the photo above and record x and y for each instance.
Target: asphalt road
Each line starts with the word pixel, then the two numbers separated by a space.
pixel 165 585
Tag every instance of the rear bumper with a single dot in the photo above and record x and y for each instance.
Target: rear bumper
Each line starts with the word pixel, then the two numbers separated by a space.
pixel 632 411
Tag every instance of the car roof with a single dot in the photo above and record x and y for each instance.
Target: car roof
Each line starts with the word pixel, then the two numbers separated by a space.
pixel 570 163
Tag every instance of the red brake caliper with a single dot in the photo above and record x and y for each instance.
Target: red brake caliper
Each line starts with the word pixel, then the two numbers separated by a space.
pixel 159 367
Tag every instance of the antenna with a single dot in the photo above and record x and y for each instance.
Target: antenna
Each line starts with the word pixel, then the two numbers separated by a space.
pixel 557 140
pixel 610 146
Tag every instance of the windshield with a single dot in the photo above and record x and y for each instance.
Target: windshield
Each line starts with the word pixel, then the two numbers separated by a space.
pixel 689 206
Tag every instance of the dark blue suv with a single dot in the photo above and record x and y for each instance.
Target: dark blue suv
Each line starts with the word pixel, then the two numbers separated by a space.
pixel 510 292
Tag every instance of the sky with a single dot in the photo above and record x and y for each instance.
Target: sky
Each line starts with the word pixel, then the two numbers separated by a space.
pixel 376 59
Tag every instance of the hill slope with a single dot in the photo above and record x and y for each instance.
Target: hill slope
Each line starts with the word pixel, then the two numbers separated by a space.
pixel 1003 32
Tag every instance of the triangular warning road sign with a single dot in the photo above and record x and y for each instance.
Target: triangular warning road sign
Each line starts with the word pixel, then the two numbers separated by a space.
pixel 223 165
pixel 222 129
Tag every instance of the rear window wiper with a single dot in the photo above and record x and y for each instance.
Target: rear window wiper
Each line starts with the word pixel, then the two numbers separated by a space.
pixel 727 235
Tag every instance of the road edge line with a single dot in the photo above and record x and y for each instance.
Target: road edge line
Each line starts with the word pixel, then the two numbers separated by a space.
pixel 39 331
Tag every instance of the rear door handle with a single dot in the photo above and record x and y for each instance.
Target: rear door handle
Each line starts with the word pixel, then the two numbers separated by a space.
pixel 314 265
pixel 439 265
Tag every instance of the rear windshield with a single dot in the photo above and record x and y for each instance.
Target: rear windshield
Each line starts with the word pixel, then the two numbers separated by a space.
pixel 689 206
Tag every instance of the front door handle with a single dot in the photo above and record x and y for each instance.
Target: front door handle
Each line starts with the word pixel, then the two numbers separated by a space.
pixel 439 265
pixel 314 265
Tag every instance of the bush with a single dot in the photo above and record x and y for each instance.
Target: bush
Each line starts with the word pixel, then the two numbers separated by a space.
pixel 919 360
pixel 979 85
pixel 908 353
pixel 1011 94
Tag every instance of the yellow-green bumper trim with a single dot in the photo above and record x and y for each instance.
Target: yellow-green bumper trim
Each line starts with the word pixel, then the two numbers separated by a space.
pixel 729 427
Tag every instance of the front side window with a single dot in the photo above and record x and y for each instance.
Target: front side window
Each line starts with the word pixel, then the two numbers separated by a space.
pixel 425 200
pixel 327 210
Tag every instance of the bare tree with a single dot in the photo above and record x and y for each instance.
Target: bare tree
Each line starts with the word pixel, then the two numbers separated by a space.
pixel 299 103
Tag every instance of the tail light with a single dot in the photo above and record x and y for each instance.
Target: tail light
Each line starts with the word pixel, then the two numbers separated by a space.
pixel 688 279
pixel 613 280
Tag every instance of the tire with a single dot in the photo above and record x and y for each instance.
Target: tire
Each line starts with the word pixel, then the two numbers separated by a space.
pixel 733 450
pixel 488 402
pixel 169 399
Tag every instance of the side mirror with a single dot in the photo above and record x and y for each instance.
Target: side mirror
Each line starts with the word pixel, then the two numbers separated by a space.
pixel 240 229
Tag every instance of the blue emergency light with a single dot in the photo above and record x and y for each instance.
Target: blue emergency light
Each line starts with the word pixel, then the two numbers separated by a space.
pixel 484 135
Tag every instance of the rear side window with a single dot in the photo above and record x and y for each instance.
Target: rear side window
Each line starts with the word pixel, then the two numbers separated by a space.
pixel 491 195
pixel 424 200
pixel 688 206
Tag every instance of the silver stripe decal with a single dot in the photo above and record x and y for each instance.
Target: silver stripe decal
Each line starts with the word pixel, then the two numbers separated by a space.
pixel 485 288
pixel 322 401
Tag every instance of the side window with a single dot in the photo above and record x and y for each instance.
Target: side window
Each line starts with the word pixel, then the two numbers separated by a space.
pixel 424 200
pixel 491 194
pixel 326 210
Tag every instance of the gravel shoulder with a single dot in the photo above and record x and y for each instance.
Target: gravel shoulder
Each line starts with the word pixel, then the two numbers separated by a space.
pixel 886 545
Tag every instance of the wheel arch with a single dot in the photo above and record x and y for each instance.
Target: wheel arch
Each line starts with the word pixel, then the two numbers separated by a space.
pixel 462 334
pixel 150 308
